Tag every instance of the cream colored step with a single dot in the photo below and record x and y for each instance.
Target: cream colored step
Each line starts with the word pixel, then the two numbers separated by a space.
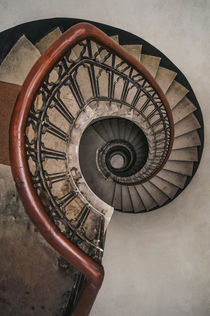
pixel 47 40
pixel 184 154
pixel 159 197
pixel 164 78
pixel 175 93
pixel 17 64
pixel 117 196
pixel 147 200
pixel 164 186
pixel 134 50
pixel 136 200
pixel 127 205
pixel 151 63
pixel 173 178
pixel 115 38
pixel 183 109
pixel 191 139
pixel 188 124
pixel 182 167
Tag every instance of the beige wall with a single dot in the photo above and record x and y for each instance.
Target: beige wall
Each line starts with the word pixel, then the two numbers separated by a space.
pixel 156 263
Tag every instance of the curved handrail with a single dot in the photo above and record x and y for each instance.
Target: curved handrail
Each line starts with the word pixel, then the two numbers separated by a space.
pixel 94 272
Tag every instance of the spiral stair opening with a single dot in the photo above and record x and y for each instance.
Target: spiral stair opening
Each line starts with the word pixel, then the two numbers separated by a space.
pixel 100 135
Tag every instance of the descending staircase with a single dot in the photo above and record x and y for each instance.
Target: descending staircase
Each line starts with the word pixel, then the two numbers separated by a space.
pixel 99 138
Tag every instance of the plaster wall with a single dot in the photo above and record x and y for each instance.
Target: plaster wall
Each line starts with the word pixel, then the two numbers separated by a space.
pixel 156 263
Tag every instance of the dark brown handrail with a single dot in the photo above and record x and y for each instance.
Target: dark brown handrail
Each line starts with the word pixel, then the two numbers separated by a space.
pixel 93 272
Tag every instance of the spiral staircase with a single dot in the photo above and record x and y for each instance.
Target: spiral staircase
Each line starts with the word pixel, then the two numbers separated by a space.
pixel 106 128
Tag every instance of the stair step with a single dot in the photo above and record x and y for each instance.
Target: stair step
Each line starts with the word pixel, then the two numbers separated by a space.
pixel 114 128
pixel 175 93
pixel 151 63
pixel 68 98
pixel 17 64
pixel 47 40
pixel 84 82
pixel 187 140
pixel 101 130
pixel 164 78
pixel 184 154
pixel 182 167
pixel 117 197
pixel 8 96
pixel 159 197
pixel 136 201
pixel 115 38
pixel 164 186
pixel 146 198
pixel 127 205
pixel 188 124
pixel 173 178
pixel 183 109
pixel 108 128
pixel 134 50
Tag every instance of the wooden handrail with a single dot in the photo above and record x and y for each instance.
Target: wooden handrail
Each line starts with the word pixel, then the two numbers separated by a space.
pixel 93 272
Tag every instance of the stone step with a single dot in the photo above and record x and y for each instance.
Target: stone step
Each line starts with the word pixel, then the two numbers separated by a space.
pixel 48 39
pixel 191 139
pixel 183 109
pixel 115 38
pixel 175 93
pixel 184 154
pixel 164 186
pixel 127 205
pixel 134 50
pixel 182 167
pixel 173 178
pixel 117 197
pixel 159 197
pixel 146 198
pixel 8 95
pixel 164 78
pixel 188 124
pixel 135 198
pixel 17 64
pixel 151 63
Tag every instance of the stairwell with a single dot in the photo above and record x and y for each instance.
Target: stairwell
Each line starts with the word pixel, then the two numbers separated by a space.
pixel 103 126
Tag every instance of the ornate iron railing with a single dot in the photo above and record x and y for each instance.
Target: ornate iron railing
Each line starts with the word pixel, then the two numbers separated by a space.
pixel 39 145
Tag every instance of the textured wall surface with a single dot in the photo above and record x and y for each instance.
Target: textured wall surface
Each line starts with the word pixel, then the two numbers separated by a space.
pixel 156 263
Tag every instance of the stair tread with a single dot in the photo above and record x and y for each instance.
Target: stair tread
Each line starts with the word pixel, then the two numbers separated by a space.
pixel 17 64
pixel 83 79
pixel 127 205
pixel 117 197
pixel 187 140
pixel 184 154
pixel 183 109
pixel 151 63
pixel 8 96
pixel 147 200
pixel 48 39
pixel 101 130
pixel 173 178
pixel 166 187
pixel 175 93
pixel 115 38
pixel 136 201
pixel 159 197
pixel 134 50
pixel 164 78
pixel 188 124
pixel 182 167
